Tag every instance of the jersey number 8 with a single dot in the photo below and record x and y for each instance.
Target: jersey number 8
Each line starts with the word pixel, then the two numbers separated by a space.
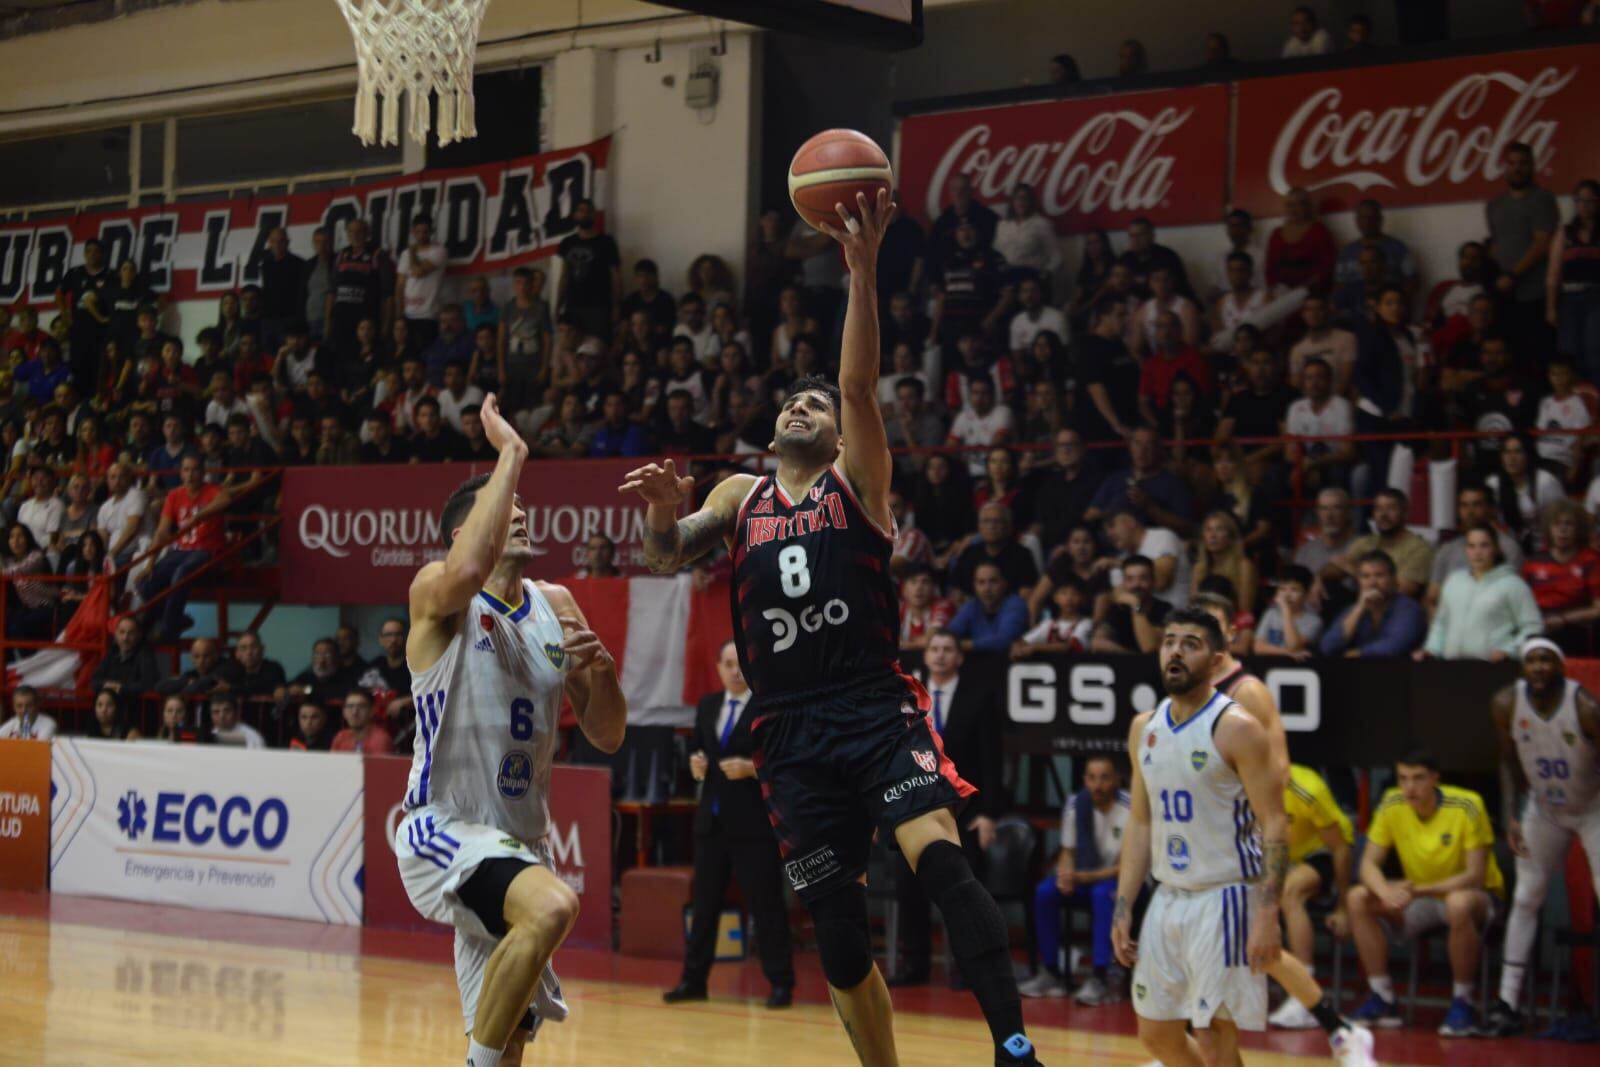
pixel 793 572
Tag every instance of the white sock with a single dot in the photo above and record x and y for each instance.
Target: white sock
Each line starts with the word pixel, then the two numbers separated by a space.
pixel 1461 990
pixel 1382 986
pixel 482 1056
pixel 1511 982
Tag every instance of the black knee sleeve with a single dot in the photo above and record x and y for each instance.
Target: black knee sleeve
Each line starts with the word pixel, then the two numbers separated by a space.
pixel 971 919
pixel 843 940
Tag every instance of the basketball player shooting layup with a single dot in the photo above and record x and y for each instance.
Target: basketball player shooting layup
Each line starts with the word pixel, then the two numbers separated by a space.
pixel 843 744
pixel 1204 779
pixel 491 655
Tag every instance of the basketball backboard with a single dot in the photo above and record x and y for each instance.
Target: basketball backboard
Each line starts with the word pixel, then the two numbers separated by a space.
pixel 889 24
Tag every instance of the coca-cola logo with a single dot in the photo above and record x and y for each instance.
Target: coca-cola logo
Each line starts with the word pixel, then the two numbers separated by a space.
pixel 1459 137
pixel 1080 174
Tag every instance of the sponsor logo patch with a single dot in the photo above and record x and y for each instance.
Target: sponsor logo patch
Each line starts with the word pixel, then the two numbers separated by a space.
pixel 926 760
pixel 900 790
pixel 811 868
pixel 1197 760
pixel 1177 853
pixel 516 775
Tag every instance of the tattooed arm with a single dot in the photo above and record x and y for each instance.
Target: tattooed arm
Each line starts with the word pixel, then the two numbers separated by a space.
pixel 1244 743
pixel 1135 864
pixel 670 542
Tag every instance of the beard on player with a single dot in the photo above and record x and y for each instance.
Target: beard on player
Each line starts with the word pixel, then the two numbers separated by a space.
pixel 1177 676
pixel 807 429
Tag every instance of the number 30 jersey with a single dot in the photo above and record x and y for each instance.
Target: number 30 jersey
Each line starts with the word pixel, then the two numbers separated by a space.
pixel 814 609
pixel 1559 761
pixel 487 716
pixel 1202 831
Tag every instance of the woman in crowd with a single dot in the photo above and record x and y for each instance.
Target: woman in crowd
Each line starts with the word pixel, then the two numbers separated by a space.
pixel 117 378
pixel 1027 241
pixel 86 559
pixel 1188 418
pixel 943 505
pixel 1079 555
pixel 1565 578
pixel 124 298
pixel 726 327
pixel 1222 554
pixel 1249 505
pixel 1093 272
pixel 1392 377
pixel 793 323
pixel 78 517
pixel 1000 483
pixel 1486 611
pixel 109 722
pixel 229 325
pixel 174 720
pixel 639 387
pixel 30 605
pixel 1572 281
pixel 1301 252
pixel 710 278
pixel 1521 490
pixel 95 454
pixel 402 343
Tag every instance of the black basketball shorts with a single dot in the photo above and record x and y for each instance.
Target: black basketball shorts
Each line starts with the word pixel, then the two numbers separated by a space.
pixel 835 770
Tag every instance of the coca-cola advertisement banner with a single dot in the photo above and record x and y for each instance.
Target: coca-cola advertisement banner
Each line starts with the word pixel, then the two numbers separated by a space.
pixel 358 535
pixel 1095 162
pixel 580 846
pixel 489 217
pixel 1416 133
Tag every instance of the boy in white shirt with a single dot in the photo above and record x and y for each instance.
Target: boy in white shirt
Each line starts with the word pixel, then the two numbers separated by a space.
pixel 1070 630
pixel 1563 409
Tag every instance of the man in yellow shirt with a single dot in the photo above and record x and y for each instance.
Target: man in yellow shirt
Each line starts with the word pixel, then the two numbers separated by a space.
pixel 1446 847
pixel 1320 840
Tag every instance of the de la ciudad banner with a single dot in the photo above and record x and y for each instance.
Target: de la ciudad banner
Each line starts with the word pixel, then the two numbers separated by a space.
pixel 488 218
pixel 1407 134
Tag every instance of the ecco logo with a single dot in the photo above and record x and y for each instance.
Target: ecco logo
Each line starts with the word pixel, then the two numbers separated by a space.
pixel 196 820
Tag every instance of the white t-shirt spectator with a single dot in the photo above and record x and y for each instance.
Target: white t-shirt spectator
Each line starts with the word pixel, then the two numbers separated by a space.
pixel 42 517
pixel 1109 827
pixel 1029 242
pixel 1271 627
pixel 1319 44
pixel 1546 489
pixel 422 294
pixel 217 413
pixel 450 406
pixel 707 345
pixel 1336 347
pixel 114 514
pixel 973 429
pixel 243 735
pixel 1159 541
pixel 1336 419
pixel 1457 299
pixel 41 728
pixel 1056 632
pixel 1025 329
pixel 1569 414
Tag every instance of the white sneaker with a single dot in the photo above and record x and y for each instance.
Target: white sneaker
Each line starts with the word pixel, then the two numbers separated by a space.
pixel 1352 1047
pixel 1091 993
pixel 1292 1015
pixel 1043 984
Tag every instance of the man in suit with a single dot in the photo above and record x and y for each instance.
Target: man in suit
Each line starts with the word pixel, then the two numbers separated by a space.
pixel 967 716
pixel 732 835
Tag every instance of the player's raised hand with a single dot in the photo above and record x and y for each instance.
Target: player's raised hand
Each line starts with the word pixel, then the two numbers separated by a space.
pixel 860 229
pixel 496 429
pixel 658 484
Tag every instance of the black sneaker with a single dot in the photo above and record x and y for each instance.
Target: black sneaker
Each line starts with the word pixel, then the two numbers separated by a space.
pixel 1018 1050
pixel 1501 1020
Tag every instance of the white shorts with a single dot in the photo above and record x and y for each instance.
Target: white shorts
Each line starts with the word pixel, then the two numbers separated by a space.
pixel 1192 962
pixel 1549 834
pixel 438 852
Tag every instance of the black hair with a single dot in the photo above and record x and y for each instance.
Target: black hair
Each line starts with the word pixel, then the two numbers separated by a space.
pixel 1377 555
pixel 1073 581
pixel 1069 67
pixel 917 385
pixel 1105 305
pixel 646 266
pixel 1246 258
pixel 1298 574
pixel 1394 494
pixel 1136 560
pixel 1201 620
pixel 1317 361
pixel 1419 757
pixel 424 220
pixel 816 383
pixel 458 506
pixel 1216 591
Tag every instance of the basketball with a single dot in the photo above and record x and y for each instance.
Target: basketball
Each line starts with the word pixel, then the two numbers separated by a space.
pixel 832 168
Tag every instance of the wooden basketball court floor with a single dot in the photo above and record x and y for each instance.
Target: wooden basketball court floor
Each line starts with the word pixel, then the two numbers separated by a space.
pixel 91 983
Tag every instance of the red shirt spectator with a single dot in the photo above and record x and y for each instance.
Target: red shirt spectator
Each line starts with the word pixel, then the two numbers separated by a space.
pixel 1159 371
pixel 181 505
pixel 374 741
pixel 1561 586
pixel 917 624
pixel 1301 251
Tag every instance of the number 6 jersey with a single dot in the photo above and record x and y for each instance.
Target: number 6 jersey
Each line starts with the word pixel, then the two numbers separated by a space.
pixel 487 714
pixel 814 609
pixel 1202 831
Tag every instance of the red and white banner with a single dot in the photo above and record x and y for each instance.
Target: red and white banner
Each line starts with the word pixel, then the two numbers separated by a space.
pixel 1416 133
pixel 580 845
pixel 1095 162
pixel 358 535
pixel 490 217
pixel 664 634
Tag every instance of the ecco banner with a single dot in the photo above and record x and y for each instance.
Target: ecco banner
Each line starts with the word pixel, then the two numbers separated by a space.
pixel 490 217
pixel 1094 162
pixel 1416 133
pixel 358 535
pixel 580 844
pixel 219 828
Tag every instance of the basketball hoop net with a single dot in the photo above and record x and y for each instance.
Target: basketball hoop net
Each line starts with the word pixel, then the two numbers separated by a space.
pixel 418 47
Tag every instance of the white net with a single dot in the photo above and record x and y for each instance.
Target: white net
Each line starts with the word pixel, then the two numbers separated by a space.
pixel 418 47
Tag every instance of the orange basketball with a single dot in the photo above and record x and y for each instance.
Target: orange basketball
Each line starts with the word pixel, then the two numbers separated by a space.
pixel 832 168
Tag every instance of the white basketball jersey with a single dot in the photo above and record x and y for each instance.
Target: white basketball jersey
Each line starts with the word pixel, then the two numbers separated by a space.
pixel 1202 831
pixel 1557 758
pixel 487 715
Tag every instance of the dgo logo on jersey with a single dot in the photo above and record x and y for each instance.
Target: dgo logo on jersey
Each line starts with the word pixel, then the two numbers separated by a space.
pixel 926 760
pixel 197 820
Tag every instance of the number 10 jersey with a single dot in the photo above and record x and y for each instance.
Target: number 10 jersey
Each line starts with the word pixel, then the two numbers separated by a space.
pixel 815 612
pixel 487 716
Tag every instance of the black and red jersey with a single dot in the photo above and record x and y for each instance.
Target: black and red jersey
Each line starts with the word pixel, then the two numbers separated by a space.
pixel 814 609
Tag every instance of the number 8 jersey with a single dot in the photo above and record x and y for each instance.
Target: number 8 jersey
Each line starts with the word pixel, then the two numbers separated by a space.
pixel 1202 831
pixel 814 609
pixel 487 716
